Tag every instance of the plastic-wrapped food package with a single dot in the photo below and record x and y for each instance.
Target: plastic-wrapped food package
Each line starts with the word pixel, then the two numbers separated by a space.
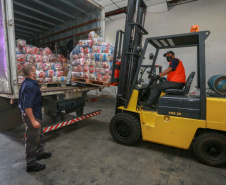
pixel 85 68
pixel 87 62
pixel 41 74
pixel 98 64
pixel 47 66
pixel 50 73
pixel 75 62
pixel 81 50
pixel 105 65
pixel 92 63
pixel 80 68
pixel 58 67
pixel 38 58
pixel 92 76
pixel 87 56
pixel 30 58
pixel 98 70
pixel 64 60
pixel 75 68
pixel 81 55
pixel 28 50
pixel 105 47
pixel 96 49
pixel 48 80
pixel 86 75
pixel 45 59
pixel 21 57
pixel 93 34
pixel 61 79
pixel 20 79
pixel 108 72
pixel 85 43
pixel 46 51
pixel 87 50
pixel 99 77
pixel 97 41
pixel 75 56
pixel 82 61
pixel 110 56
pixel 20 50
pixel 52 58
pixel 19 66
pixel 106 78
pixel 59 73
pixel 75 74
pixel 41 80
pixel 66 66
pixel 39 66
pixel 21 42
pixel 35 50
pixel 80 75
pixel 91 69
pixel 102 71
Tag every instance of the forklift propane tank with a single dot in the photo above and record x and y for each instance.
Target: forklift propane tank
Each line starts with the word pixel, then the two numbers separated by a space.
pixel 217 83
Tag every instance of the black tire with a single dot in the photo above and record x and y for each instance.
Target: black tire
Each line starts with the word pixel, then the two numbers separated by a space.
pixel 125 128
pixel 210 148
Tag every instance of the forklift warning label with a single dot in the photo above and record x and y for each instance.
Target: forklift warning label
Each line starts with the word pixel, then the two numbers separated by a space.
pixel 175 113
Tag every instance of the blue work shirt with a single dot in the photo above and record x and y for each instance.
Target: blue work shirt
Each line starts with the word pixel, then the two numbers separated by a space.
pixel 174 63
pixel 30 96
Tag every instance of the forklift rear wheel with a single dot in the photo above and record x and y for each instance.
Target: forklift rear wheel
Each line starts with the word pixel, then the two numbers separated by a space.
pixel 125 128
pixel 210 148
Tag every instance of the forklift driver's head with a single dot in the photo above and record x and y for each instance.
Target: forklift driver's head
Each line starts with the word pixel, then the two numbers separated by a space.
pixel 169 55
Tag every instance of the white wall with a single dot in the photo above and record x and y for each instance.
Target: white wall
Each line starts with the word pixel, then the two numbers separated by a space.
pixel 208 14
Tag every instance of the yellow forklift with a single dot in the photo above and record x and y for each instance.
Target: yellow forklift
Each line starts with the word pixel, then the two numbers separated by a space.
pixel 179 120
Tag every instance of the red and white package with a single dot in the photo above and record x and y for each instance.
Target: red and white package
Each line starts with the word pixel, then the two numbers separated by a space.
pixel 98 70
pixel 87 50
pixel 59 73
pixel 85 43
pixel 19 66
pixel 99 77
pixel 92 63
pixel 81 55
pixel 45 58
pixel 92 55
pixel 52 58
pixel 85 68
pixel 41 74
pixel 21 42
pixel 87 62
pixel 40 80
pixel 105 65
pixel 48 80
pixel 58 67
pixel 98 64
pixel 105 78
pixel 39 66
pixel 97 41
pixel 86 75
pixel 75 68
pixel 50 73
pixel 92 35
pixel 46 51
pixel 64 60
pixel 60 57
pixel 92 76
pixel 80 68
pixel 20 79
pixel 91 69
pixel 28 50
pixel 74 57
pixel 35 50
pixel 47 66
pixel 96 49
pixel 21 57
pixel 87 56
pixel 30 58
pixel 38 58
pixel 108 72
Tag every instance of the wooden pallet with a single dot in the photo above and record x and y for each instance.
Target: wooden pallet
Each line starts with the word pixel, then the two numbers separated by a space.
pixel 48 85
pixel 91 82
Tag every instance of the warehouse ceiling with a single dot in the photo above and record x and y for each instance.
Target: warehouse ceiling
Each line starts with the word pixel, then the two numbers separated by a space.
pixel 35 16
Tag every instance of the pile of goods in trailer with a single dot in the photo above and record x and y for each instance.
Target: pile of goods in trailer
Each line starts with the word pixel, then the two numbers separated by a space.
pixel 92 59
pixel 51 68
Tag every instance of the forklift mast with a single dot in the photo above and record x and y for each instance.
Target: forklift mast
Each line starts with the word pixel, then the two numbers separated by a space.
pixel 131 49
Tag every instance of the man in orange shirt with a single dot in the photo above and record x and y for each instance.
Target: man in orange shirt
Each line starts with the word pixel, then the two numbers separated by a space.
pixel 176 79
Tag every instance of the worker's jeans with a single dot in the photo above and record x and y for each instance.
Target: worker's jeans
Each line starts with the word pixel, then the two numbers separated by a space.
pixel 34 141
pixel 157 90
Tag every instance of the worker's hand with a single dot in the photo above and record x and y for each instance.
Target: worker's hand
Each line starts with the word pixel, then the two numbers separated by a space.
pixel 155 77
pixel 35 124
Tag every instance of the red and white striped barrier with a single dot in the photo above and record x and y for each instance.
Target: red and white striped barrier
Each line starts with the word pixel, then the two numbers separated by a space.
pixel 70 122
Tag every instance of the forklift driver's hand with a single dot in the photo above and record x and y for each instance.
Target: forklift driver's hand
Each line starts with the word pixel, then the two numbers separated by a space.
pixel 155 77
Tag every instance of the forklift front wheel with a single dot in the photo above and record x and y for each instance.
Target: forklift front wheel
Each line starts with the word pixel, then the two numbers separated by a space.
pixel 210 148
pixel 125 128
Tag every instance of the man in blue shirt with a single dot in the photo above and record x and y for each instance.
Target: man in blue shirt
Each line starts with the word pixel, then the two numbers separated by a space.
pixel 30 99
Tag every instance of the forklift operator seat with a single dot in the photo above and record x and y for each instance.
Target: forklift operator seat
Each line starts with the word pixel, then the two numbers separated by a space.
pixel 186 88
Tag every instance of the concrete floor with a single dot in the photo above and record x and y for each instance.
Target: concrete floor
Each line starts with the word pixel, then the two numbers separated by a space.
pixel 85 153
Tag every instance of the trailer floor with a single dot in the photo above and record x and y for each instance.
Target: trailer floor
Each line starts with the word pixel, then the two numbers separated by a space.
pixel 85 153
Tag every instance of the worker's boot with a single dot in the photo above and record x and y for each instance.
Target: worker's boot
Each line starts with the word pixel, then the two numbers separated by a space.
pixel 43 156
pixel 35 168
